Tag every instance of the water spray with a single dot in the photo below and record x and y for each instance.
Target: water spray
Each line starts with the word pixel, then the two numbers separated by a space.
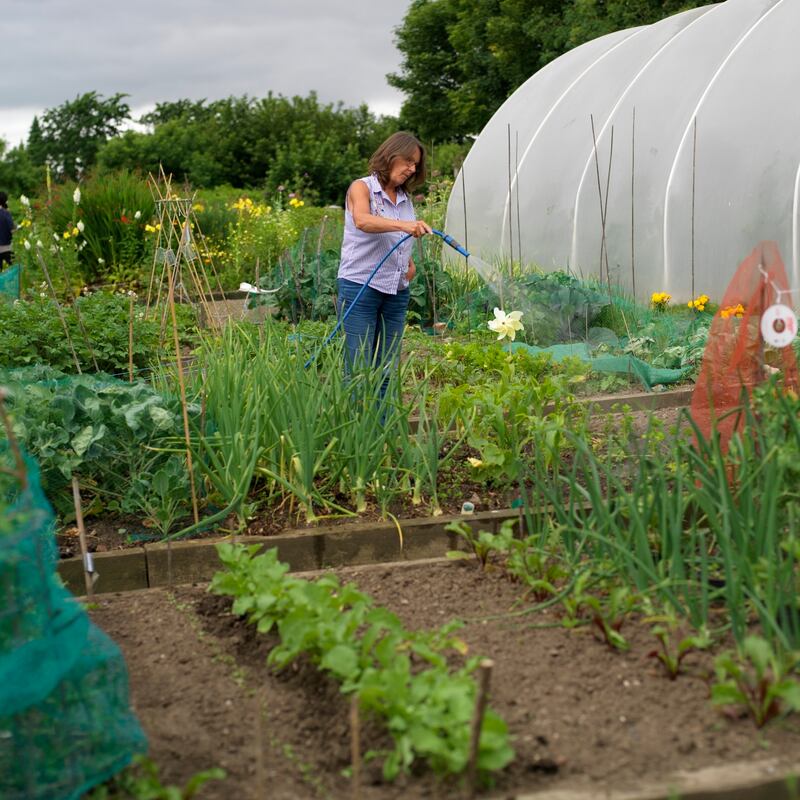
pixel 445 237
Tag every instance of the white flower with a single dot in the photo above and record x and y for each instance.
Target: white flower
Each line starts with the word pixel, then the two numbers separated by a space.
pixel 27 244
pixel 506 324
pixel 76 196
pixel 137 215
pixel 53 248
pixel 39 243
pixel 101 261
pixel 79 225
pixel 24 200
pixel 55 236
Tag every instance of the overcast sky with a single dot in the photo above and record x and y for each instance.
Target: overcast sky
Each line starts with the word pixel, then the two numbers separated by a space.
pixel 154 50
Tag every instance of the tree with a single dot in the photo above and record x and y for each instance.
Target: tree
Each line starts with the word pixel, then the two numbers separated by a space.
pixel 462 59
pixel 36 147
pixel 72 133
pixel 18 175
pixel 255 142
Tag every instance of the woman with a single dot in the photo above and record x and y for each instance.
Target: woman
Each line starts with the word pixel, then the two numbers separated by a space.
pixel 378 213
pixel 7 229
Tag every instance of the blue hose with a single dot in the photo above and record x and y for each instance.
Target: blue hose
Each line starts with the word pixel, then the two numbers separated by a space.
pixel 444 236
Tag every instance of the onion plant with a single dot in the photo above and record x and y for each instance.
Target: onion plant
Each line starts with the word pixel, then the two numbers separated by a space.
pixel 228 449
pixel 687 523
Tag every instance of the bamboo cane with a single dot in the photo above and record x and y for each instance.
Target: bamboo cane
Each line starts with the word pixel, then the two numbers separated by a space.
pixel 59 312
pixel 88 566
pixel 182 384
pixel 130 341
pixel 87 341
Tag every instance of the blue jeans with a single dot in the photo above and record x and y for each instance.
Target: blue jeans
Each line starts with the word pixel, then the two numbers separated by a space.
pixel 374 328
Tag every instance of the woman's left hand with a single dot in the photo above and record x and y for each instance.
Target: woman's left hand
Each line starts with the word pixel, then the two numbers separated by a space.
pixel 412 271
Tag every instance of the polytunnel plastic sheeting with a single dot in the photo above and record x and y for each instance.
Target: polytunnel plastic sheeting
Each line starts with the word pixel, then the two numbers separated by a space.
pixel 674 78
pixel 554 139
pixel 732 67
pixel 748 151
pixel 517 121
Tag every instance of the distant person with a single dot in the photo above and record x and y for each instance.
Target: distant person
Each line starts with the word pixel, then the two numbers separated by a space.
pixel 7 228
pixel 378 212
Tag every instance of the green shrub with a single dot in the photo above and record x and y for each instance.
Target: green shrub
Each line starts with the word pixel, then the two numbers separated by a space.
pixel 114 208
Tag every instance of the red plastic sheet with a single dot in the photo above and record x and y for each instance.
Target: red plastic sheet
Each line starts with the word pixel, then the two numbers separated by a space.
pixel 736 358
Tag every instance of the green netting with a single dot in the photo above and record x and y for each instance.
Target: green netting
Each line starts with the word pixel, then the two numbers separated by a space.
pixel 626 365
pixel 65 723
pixel 9 281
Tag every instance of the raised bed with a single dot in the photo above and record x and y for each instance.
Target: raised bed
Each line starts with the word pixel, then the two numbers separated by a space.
pixel 588 722
pixel 157 564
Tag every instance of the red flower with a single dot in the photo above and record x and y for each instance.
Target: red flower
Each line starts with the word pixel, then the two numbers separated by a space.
pixel 124 219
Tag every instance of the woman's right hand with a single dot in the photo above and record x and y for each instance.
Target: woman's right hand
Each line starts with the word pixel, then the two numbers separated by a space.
pixel 417 228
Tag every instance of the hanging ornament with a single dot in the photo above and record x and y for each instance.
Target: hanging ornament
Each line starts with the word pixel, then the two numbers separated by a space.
pixel 778 325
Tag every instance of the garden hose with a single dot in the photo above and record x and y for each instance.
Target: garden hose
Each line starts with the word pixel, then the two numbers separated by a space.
pixel 446 238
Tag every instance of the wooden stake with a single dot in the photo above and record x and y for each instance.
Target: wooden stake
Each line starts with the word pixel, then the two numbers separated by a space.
pixel 130 341
pixel 184 407
pixel 88 568
pixel 355 747
pixel 484 677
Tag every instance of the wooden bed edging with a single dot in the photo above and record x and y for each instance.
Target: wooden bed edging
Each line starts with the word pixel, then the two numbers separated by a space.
pixel 760 780
pixel 316 548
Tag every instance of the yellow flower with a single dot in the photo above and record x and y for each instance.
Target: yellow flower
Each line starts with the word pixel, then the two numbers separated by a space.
pixel 66 234
pixel 732 311
pixel 660 300
pixel 198 207
pixel 75 231
pixel 699 303
pixel 475 462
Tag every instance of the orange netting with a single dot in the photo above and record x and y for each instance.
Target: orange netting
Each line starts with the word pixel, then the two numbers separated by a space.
pixel 736 357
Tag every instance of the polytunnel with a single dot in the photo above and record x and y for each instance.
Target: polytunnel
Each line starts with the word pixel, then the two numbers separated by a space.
pixel 655 157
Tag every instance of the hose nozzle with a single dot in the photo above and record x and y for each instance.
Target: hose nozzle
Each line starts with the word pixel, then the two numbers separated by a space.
pixel 459 248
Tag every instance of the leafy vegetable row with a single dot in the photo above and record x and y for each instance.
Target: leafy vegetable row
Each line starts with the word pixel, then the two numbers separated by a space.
pixel 399 675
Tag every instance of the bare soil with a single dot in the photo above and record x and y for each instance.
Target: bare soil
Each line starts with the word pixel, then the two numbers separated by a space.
pixel 582 715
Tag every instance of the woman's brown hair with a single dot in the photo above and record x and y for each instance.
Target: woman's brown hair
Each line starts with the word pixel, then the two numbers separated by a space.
pixel 399 145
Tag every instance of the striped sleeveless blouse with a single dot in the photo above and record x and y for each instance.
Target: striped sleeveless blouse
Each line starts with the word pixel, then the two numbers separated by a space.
pixel 361 251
